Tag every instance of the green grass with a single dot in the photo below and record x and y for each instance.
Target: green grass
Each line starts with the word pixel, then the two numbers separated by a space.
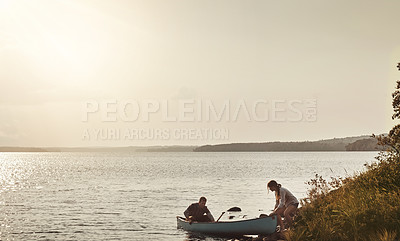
pixel 363 207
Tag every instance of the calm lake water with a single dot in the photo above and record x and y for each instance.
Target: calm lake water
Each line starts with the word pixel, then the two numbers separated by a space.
pixel 136 196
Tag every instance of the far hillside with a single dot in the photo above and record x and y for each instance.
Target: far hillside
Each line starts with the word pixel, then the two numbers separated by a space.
pixel 357 143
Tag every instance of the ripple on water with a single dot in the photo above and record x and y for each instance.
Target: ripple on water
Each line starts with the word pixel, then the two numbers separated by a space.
pixel 136 196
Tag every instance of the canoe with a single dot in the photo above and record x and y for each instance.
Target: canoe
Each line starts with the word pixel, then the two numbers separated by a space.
pixel 256 226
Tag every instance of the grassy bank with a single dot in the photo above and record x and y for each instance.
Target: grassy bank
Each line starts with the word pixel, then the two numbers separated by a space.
pixel 364 207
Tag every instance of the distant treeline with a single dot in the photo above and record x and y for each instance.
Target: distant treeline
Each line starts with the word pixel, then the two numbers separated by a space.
pixel 369 144
pixel 101 149
pixel 360 143
pixel 21 149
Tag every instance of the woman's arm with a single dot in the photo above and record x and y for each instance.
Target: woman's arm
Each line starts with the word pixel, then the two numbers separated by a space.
pixel 282 197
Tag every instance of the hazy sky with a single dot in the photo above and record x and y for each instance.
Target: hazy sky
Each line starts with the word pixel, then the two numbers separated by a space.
pixel 267 56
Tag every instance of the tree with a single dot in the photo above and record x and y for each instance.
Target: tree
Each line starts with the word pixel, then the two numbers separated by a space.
pixel 392 140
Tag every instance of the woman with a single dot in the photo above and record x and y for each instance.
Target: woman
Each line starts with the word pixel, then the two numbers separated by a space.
pixel 286 203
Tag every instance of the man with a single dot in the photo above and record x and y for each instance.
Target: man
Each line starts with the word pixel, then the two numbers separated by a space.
pixel 199 212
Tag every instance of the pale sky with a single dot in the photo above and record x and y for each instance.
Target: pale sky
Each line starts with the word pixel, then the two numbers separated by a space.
pixel 57 55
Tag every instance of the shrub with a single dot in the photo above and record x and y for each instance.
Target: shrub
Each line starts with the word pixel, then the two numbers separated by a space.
pixel 353 208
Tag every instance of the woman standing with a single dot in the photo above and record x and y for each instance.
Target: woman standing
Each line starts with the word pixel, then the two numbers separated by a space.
pixel 286 203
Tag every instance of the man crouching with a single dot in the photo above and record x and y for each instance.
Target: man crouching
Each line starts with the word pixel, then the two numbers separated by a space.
pixel 199 212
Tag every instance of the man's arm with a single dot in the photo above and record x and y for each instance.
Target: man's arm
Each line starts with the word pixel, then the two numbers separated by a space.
pixel 210 216
pixel 188 211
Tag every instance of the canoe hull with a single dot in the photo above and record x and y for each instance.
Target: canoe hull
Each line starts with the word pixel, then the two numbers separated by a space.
pixel 257 226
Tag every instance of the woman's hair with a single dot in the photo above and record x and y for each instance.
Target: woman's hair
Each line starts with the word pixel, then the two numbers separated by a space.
pixel 273 183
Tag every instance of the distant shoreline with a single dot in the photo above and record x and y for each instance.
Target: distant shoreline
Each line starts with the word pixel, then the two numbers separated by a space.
pixel 357 143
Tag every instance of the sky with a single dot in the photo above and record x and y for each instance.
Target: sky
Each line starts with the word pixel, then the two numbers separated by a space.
pixel 135 73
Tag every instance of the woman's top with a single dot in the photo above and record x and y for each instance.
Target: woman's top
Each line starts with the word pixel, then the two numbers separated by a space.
pixel 285 198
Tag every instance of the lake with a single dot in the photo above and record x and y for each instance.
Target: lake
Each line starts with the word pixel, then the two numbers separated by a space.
pixel 136 196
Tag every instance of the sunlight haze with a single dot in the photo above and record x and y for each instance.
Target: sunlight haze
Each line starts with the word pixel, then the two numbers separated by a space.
pixel 58 56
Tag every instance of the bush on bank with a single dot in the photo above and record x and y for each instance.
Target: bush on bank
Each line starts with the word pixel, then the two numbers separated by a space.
pixel 364 207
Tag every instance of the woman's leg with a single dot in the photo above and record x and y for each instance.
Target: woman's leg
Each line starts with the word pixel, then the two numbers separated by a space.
pixel 279 213
pixel 288 212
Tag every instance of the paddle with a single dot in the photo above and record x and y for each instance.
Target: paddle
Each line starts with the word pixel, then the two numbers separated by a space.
pixel 234 209
pixel 220 217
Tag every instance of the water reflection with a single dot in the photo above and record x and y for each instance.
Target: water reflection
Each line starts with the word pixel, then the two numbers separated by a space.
pixel 136 196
